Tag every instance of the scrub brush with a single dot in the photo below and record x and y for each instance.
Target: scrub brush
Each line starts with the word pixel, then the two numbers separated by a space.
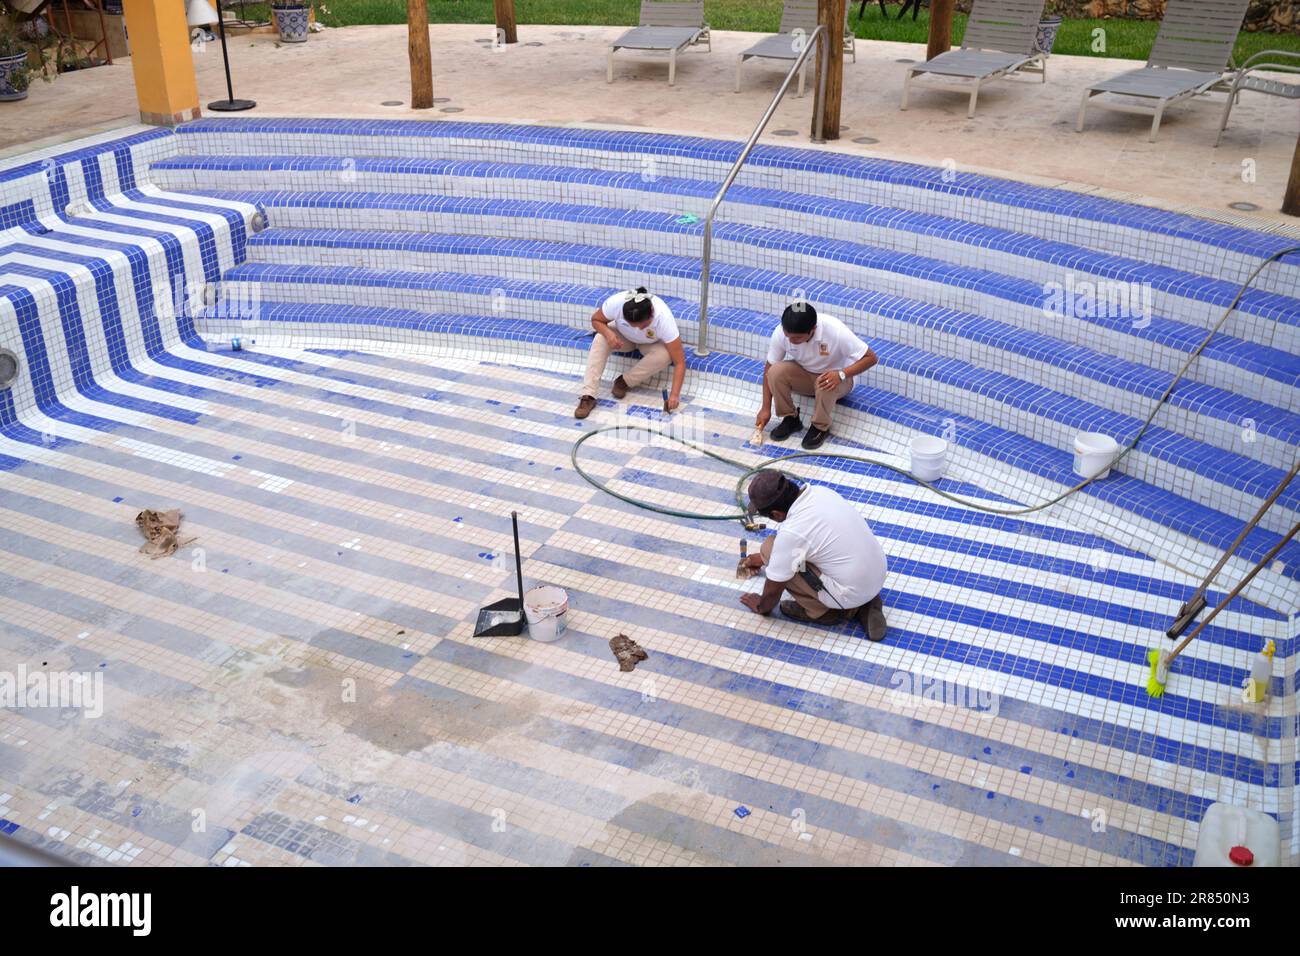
pixel 1159 673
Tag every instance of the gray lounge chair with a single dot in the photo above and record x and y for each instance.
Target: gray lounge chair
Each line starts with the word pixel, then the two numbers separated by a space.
pixel 1001 40
pixel 1266 61
pixel 798 20
pixel 1192 55
pixel 667 26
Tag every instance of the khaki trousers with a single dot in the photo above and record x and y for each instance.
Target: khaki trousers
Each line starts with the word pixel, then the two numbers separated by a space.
pixel 786 377
pixel 797 587
pixel 654 359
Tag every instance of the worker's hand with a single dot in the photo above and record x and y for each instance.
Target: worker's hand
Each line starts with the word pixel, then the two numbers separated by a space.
pixel 754 561
pixel 672 403
pixel 750 600
pixel 829 380
pixel 616 342
pixel 763 418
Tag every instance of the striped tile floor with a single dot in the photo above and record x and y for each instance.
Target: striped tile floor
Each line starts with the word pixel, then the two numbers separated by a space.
pixel 299 684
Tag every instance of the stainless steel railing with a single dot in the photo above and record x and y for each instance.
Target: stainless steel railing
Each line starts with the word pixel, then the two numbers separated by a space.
pixel 819 35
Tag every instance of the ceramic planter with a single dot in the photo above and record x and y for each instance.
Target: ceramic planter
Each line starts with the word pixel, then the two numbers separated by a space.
pixel 8 66
pixel 1047 28
pixel 291 21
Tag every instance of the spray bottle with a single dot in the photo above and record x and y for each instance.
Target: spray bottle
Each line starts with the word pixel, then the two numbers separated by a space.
pixel 1261 675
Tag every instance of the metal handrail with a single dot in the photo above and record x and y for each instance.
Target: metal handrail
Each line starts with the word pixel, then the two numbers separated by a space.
pixel 818 35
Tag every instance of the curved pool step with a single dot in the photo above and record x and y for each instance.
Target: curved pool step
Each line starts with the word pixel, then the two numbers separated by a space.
pixel 1227 481
pixel 1208 412
pixel 316 322
pixel 781 256
pixel 1145 233
pixel 1197 299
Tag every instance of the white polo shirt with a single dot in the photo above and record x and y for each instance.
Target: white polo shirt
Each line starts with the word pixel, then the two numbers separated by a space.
pixel 835 538
pixel 833 345
pixel 662 327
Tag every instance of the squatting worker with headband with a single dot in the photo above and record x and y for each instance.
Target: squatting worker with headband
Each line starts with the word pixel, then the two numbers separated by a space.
pixel 628 319
pixel 812 355
pixel 824 555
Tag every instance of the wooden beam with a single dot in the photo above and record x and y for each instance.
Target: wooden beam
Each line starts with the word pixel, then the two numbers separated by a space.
pixel 417 48
pixel 940 39
pixel 830 14
pixel 506 32
pixel 1291 201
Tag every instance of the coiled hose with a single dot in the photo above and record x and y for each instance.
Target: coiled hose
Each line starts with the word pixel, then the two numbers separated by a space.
pixel 746 471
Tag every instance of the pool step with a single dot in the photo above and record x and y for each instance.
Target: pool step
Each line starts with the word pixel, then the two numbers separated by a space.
pixel 1147 234
pixel 1227 481
pixel 1204 411
pixel 1079 272
pixel 316 320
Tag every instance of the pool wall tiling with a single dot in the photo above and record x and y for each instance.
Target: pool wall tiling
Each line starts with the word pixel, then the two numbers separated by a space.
pixel 130 263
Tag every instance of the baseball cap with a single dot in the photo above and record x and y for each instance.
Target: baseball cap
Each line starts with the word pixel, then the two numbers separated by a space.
pixel 765 489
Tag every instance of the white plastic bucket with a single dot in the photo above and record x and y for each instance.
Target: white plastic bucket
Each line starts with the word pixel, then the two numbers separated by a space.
pixel 1225 828
pixel 929 457
pixel 1094 453
pixel 545 608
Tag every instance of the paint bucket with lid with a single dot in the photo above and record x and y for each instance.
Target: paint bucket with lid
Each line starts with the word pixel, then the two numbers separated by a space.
pixel 545 608
pixel 929 457
pixel 1094 453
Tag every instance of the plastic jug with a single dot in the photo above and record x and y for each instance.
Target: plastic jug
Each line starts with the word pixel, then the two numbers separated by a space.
pixel 1235 836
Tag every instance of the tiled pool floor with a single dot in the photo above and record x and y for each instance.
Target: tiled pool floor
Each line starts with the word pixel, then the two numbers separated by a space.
pixel 299 684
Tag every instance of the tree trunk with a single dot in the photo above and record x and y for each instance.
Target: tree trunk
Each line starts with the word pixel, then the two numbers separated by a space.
pixel 940 40
pixel 1291 201
pixel 417 47
pixel 830 14
pixel 506 32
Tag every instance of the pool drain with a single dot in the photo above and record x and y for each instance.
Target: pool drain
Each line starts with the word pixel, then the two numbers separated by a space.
pixel 8 368
pixel 1243 206
pixel 866 140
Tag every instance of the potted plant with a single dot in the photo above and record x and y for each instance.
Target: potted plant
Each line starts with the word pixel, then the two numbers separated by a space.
pixel 15 72
pixel 291 18
pixel 1047 27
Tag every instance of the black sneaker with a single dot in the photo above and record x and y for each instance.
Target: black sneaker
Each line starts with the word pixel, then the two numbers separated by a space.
pixel 814 437
pixel 789 425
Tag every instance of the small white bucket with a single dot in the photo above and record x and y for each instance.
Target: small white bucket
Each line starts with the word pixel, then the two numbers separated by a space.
pixel 929 457
pixel 1094 453
pixel 545 608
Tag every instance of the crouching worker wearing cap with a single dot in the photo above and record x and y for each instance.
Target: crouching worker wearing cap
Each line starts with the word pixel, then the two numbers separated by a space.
pixel 627 320
pixel 824 554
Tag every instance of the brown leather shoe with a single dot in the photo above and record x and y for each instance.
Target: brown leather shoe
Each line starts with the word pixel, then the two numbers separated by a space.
pixel 620 387
pixel 872 618
pixel 585 405
pixel 795 612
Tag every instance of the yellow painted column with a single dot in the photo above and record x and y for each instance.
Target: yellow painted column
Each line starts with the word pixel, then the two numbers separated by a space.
pixel 165 85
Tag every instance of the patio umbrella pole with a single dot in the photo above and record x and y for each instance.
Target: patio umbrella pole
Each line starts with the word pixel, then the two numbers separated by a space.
pixel 229 104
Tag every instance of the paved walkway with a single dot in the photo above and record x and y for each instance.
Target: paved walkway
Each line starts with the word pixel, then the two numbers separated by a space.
pixel 1022 128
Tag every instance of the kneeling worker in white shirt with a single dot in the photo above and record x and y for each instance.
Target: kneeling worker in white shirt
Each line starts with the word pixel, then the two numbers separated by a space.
pixel 824 554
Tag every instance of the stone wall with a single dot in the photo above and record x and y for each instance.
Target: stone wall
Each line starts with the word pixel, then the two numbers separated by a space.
pixel 1272 16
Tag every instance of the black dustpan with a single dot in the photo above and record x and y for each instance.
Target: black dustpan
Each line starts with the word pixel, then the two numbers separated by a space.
pixel 505 618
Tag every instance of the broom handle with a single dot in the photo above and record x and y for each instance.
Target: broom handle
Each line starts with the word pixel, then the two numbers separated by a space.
pixel 1234 592
pixel 1250 526
pixel 519 567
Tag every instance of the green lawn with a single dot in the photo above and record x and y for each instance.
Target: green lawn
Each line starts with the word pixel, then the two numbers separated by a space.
pixel 1122 38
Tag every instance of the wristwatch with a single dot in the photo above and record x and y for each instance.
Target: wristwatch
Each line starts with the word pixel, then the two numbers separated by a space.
pixel 842 376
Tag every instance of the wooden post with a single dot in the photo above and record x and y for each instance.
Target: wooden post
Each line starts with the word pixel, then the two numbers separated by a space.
pixel 506 32
pixel 1291 201
pixel 417 48
pixel 940 39
pixel 830 14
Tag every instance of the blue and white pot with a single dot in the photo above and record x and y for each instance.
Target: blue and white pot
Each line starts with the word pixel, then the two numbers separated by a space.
pixel 8 65
pixel 291 21
pixel 1047 28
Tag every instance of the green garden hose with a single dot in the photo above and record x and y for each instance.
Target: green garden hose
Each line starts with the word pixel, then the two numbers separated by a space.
pixel 746 471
